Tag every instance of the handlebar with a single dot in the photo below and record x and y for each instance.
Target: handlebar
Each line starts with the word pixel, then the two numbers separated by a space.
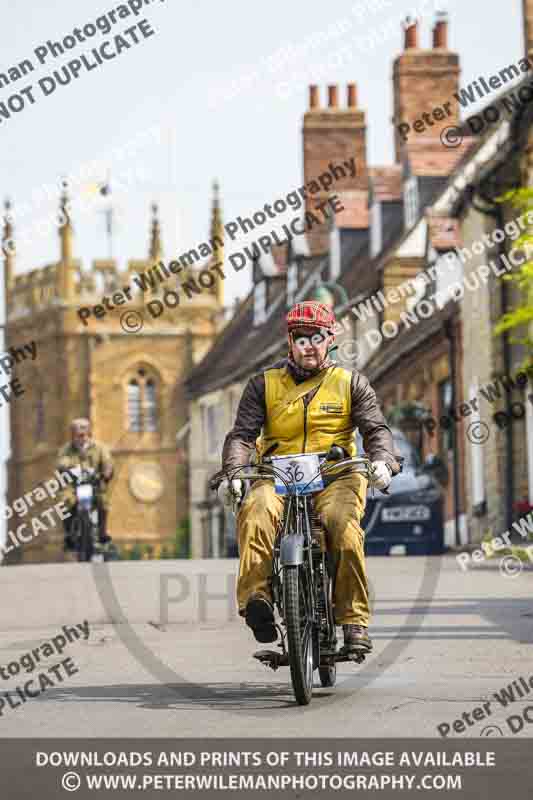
pixel 361 465
pixel 84 477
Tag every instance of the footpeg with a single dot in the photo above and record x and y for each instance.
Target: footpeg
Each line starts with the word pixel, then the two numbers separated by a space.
pixel 272 659
pixel 352 655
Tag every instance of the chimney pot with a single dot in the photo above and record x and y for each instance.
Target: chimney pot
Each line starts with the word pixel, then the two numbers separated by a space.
pixel 410 26
pixel 333 96
pixel 352 95
pixel 314 97
pixel 440 31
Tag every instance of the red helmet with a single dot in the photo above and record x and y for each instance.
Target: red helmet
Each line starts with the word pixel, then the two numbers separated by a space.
pixel 311 314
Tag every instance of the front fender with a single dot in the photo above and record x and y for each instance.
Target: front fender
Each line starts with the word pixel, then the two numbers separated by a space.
pixel 291 552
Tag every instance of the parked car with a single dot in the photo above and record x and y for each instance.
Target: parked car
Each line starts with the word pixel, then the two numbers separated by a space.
pixel 410 518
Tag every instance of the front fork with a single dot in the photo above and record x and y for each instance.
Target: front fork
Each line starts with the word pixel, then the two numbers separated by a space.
pixel 293 547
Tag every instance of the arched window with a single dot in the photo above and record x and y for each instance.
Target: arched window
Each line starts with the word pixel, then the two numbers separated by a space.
pixel 134 407
pixel 143 413
pixel 150 406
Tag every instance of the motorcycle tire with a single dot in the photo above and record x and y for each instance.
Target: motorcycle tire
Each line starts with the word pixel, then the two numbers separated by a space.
pixel 85 549
pixel 299 642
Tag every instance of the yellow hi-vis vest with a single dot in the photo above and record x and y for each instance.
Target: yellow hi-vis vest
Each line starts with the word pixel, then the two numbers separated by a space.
pixel 296 429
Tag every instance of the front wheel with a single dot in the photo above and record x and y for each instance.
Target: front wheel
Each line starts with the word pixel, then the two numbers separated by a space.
pixel 297 613
pixel 85 547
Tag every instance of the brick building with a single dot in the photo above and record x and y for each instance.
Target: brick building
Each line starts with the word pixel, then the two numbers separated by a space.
pixel 401 221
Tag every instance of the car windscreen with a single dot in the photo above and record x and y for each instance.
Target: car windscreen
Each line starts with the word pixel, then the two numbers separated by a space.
pixel 401 446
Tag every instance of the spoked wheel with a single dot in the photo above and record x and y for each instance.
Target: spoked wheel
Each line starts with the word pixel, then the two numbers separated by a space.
pixel 85 551
pixel 299 634
pixel 328 673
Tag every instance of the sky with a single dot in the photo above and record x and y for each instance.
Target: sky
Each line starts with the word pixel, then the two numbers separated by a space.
pixel 218 91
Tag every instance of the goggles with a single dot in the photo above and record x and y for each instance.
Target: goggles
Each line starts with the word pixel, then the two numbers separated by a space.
pixel 302 340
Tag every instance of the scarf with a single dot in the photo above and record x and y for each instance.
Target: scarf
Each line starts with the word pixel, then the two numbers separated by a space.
pixel 301 374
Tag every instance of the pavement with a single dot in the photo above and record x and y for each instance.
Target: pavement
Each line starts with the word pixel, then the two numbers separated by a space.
pixel 167 654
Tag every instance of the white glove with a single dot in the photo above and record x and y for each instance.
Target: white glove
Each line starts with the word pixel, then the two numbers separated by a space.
pixel 382 476
pixel 229 492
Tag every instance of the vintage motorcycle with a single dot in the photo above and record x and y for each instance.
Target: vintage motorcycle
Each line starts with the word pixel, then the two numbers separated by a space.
pixel 302 568
pixel 85 524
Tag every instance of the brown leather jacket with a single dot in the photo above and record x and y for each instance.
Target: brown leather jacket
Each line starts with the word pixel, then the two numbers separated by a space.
pixel 239 444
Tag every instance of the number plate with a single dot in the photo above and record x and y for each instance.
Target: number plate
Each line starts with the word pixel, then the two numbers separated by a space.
pixel 302 471
pixel 84 492
pixel 406 514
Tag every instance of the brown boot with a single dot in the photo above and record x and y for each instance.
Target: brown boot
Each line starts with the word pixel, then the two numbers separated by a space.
pixel 356 638
pixel 260 618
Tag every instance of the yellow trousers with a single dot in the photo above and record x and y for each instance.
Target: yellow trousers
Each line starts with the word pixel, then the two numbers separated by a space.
pixel 340 507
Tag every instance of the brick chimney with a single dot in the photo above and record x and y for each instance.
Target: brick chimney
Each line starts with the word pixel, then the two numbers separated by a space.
pixel 332 135
pixel 527 7
pixel 422 81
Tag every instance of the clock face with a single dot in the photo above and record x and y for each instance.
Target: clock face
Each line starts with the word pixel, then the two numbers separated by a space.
pixel 147 482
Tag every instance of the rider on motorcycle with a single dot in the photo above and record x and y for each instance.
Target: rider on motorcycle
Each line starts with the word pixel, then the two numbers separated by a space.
pixel 306 403
pixel 85 452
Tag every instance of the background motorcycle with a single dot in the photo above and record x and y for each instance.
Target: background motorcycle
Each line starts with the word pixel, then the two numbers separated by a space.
pixel 86 515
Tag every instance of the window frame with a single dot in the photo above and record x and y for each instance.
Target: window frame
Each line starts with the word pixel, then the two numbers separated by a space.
pixel 149 411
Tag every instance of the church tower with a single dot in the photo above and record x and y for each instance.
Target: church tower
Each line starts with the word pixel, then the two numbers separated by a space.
pixel 124 370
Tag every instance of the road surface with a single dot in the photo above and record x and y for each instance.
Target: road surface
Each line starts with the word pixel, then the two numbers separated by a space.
pixel 166 658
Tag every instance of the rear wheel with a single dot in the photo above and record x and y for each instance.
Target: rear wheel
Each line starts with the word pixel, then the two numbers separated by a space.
pixel 328 672
pixel 299 633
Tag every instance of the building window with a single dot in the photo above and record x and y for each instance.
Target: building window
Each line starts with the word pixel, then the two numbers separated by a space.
pixel 450 271
pixel 410 199
pixel 476 455
pixel 375 230
pixel 211 429
pixel 446 432
pixel 151 406
pixel 259 303
pixel 142 411
pixel 292 283
pixel 134 407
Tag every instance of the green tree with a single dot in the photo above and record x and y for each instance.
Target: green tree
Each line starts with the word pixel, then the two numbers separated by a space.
pixel 521 317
